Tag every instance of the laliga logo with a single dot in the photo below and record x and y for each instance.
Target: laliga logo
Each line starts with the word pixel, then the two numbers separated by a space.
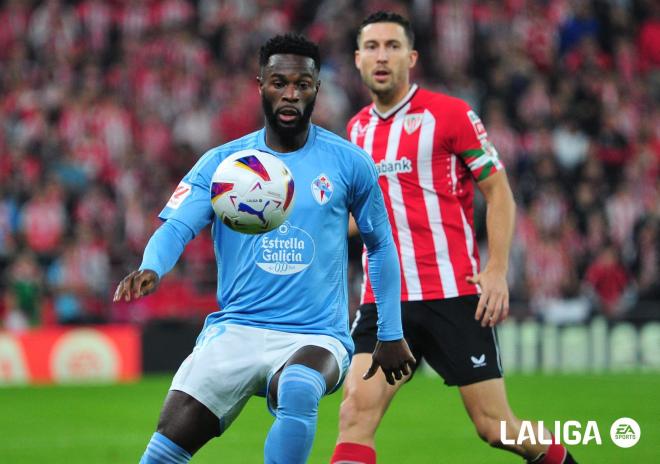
pixel 570 433
pixel 625 433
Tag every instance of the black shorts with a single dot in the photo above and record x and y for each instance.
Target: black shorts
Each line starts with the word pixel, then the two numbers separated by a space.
pixel 444 333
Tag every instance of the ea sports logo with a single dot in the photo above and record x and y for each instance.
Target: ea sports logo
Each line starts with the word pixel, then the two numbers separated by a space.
pixel 625 432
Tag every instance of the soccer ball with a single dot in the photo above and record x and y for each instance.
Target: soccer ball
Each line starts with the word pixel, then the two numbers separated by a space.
pixel 252 192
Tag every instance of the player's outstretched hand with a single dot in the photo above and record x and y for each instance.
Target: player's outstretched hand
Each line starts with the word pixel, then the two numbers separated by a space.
pixel 136 284
pixel 395 358
pixel 493 304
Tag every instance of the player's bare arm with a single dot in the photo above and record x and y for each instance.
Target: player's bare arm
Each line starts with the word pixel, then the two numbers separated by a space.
pixel 136 285
pixel 493 304
pixel 394 358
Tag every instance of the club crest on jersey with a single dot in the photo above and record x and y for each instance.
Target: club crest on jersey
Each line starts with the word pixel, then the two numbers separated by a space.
pixel 412 122
pixel 322 189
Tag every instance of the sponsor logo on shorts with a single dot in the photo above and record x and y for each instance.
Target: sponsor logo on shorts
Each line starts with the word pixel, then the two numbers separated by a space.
pixel 478 362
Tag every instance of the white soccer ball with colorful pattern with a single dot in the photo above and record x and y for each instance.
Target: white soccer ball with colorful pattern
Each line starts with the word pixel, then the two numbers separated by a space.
pixel 252 192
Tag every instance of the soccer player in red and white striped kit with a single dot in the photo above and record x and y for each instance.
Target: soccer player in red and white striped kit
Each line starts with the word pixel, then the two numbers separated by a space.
pixel 429 148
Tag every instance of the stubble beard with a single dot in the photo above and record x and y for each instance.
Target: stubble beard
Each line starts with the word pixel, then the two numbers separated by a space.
pixel 287 132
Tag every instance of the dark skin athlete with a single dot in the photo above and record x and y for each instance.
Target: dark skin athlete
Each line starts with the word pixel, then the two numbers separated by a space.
pixel 288 85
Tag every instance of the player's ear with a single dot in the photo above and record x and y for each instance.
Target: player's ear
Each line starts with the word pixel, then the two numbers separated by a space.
pixel 260 83
pixel 357 58
pixel 412 59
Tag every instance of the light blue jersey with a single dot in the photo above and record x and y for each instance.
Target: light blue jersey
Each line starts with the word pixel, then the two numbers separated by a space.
pixel 294 278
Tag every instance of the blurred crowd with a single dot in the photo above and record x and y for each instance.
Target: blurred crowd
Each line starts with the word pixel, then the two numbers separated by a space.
pixel 105 105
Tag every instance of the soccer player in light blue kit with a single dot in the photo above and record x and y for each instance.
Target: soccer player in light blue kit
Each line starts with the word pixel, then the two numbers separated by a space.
pixel 282 330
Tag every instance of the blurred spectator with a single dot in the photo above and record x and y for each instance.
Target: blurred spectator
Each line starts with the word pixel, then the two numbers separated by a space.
pixel 646 261
pixel 44 221
pixel 570 145
pixel 580 24
pixel 79 279
pixel 25 290
pixel 649 40
pixel 608 282
pixel 612 149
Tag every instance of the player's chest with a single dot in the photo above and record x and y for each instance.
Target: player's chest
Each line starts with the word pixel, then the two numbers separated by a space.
pixel 410 147
pixel 321 188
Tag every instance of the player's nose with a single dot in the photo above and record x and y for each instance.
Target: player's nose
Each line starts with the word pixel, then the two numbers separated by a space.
pixel 381 55
pixel 291 93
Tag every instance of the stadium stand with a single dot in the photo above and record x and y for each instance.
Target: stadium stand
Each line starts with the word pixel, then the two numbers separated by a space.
pixel 105 104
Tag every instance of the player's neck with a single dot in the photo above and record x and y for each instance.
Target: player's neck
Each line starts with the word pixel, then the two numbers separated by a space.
pixel 284 143
pixel 386 101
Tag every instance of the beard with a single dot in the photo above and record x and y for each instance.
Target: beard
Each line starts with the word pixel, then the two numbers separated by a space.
pixel 287 132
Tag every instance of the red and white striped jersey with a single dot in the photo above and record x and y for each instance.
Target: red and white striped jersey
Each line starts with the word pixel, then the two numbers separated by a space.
pixel 427 150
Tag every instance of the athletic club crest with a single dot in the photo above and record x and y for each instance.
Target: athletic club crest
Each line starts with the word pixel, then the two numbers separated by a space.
pixel 412 122
pixel 322 189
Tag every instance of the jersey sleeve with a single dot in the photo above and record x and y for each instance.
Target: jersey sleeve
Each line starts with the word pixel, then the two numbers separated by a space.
pixel 190 203
pixel 472 145
pixel 368 209
pixel 367 204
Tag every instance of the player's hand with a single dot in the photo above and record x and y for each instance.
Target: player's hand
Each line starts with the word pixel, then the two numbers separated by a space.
pixel 395 358
pixel 136 284
pixel 493 304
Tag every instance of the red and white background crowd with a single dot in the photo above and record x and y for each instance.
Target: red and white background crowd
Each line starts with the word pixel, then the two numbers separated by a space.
pixel 106 104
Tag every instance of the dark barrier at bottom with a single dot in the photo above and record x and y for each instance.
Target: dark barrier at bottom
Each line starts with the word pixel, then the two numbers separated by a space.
pixel 166 343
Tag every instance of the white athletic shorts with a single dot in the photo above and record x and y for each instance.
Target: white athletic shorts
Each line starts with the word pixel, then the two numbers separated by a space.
pixel 230 363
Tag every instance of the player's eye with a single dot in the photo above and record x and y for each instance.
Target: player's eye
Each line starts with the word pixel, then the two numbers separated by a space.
pixel 304 85
pixel 278 84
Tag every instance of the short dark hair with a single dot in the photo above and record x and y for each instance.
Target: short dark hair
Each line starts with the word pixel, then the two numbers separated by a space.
pixel 293 44
pixel 388 17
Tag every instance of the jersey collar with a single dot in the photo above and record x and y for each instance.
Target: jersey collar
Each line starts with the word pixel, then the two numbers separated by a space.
pixel 311 136
pixel 396 107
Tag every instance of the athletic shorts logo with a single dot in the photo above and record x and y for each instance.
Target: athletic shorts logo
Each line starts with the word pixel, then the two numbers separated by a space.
pixel 625 432
pixel 181 192
pixel 285 250
pixel 478 362
pixel 322 189
pixel 412 122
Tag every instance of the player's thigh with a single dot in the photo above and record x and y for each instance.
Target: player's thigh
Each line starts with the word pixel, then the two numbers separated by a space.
pixel 224 370
pixel 323 353
pixel 314 357
pixel 187 422
pixel 365 328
